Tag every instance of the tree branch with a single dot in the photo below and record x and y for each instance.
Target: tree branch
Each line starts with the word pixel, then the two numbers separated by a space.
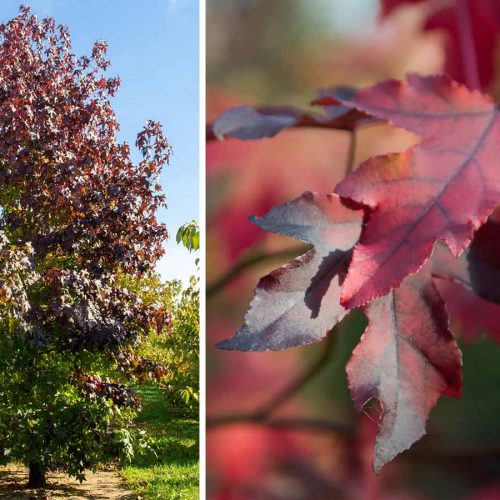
pixel 351 154
pixel 248 261
pixel 296 385
pixel 303 424
pixel 469 59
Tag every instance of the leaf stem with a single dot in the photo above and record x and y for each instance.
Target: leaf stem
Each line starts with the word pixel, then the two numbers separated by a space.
pixel 351 154
pixel 469 59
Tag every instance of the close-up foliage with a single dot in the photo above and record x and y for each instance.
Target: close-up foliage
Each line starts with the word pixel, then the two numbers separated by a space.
pixel 396 264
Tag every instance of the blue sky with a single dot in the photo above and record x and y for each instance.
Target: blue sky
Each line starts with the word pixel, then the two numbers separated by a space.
pixel 153 47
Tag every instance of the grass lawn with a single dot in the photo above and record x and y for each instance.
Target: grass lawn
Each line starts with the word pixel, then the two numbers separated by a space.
pixel 174 472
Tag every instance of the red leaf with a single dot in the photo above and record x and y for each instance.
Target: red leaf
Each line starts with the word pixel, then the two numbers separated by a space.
pixel 245 122
pixel 298 303
pixel 442 189
pixel 406 359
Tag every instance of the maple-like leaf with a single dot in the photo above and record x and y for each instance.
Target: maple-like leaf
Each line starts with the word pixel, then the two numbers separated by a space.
pixel 406 359
pixel 442 189
pixel 299 303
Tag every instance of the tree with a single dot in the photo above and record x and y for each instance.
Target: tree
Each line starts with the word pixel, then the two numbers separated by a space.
pixel 179 350
pixel 77 218
pixel 189 235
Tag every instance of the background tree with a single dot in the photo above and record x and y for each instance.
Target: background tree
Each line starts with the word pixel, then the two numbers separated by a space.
pixel 77 219
pixel 189 235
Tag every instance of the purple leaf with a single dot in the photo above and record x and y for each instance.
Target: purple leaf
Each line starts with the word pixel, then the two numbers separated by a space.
pixel 406 359
pixel 299 303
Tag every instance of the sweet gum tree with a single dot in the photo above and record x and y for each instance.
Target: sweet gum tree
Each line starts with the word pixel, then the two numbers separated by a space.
pixel 77 222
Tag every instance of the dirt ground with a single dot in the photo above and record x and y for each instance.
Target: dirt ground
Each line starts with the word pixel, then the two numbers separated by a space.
pixel 101 485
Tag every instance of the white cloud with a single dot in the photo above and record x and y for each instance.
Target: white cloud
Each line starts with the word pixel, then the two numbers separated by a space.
pixel 175 6
pixel 177 263
pixel 42 8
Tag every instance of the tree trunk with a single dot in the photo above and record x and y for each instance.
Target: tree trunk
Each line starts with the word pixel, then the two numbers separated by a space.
pixel 37 476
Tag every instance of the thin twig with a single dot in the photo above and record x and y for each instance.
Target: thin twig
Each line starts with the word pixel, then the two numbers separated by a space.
pixel 465 452
pixel 263 416
pixel 467 44
pixel 296 385
pixel 351 154
pixel 305 424
pixel 418 453
pixel 247 262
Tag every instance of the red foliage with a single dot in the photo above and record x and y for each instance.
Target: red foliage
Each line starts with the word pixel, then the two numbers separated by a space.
pixel 298 303
pixel 71 190
pixel 442 189
pixel 57 126
pixel 424 248
pixel 406 359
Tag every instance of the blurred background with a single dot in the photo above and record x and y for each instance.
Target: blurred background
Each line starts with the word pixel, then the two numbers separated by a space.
pixel 283 52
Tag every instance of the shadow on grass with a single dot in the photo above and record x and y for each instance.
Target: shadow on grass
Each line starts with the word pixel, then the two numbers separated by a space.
pixel 170 468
